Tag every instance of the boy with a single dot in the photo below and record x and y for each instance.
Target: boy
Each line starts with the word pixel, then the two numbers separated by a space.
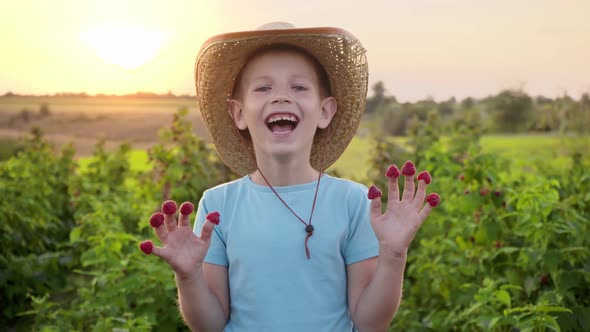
pixel 281 105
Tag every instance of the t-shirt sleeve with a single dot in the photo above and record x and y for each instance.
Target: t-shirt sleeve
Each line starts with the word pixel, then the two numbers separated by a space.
pixel 217 253
pixel 362 242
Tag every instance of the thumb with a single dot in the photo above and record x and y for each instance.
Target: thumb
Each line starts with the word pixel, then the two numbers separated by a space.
pixel 207 230
pixel 374 195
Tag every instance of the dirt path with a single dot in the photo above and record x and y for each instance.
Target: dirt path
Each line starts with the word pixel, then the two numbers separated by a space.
pixel 140 129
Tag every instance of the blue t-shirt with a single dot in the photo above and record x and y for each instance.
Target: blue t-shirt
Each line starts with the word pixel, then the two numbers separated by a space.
pixel 273 286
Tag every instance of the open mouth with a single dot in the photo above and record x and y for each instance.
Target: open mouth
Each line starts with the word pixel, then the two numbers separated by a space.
pixel 282 123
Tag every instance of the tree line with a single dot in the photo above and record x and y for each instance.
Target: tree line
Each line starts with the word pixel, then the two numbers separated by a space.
pixel 510 111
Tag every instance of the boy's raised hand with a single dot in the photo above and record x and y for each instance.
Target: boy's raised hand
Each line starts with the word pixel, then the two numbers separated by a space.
pixel 182 249
pixel 396 227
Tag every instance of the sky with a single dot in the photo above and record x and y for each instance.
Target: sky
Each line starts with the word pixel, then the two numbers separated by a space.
pixel 419 49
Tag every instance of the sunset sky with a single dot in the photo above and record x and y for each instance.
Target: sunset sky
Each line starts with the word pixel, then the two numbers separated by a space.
pixel 419 49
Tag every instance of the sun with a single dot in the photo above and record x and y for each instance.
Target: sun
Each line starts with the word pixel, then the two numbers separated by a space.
pixel 125 46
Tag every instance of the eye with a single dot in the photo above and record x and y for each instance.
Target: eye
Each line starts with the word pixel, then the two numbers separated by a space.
pixel 298 87
pixel 262 89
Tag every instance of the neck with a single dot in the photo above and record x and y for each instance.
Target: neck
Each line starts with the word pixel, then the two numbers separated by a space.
pixel 284 173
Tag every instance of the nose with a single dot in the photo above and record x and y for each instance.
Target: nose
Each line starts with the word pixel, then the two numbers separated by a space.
pixel 281 99
pixel 281 95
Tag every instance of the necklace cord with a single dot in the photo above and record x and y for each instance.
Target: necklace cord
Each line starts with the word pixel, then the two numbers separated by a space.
pixel 308 227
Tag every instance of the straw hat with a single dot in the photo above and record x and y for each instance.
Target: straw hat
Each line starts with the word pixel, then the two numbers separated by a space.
pixel 222 57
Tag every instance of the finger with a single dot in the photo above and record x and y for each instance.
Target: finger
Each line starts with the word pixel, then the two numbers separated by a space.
pixel 148 248
pixel 424 180
pixel 207 230
pixel 408 170
pixel 157 222
pixel 393 191
pixel 432 200
pixel 375 197
pixel 186 209
pixel 158 251
pixel 169 209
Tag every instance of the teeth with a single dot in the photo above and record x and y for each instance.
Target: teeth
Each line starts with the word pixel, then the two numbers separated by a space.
pixel 282 117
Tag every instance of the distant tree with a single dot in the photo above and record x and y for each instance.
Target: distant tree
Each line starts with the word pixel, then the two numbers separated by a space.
pixel 467 103
pixel 391 119
pixel 539 100
pixel 547 119
pixel 378 98
pixel 512 111
pixel 575 116
pixel 379 90
pixel 447 108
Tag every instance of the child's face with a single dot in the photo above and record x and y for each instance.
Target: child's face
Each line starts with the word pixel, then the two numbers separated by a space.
pixel 279 100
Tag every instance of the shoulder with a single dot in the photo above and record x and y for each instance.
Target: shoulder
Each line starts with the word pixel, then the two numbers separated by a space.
pixel 345 188
pixel 224 191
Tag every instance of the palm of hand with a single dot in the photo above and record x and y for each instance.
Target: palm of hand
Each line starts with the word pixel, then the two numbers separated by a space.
pixel 396 227
pixel 183 250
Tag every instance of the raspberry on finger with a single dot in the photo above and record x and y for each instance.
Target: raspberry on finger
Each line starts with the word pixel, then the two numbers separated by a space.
pixel 424 175
pixel 433 199
pixel 374 192
pixel 169 207
pixel 187 208
pixel 213 217
pixel 147 247
pixel 409 169
pixel 157 219
pixel 392 172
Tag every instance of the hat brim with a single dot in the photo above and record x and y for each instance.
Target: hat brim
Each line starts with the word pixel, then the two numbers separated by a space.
pixel 222 57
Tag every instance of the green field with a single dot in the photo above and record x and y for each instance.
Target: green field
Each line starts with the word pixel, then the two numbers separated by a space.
pixel 527 153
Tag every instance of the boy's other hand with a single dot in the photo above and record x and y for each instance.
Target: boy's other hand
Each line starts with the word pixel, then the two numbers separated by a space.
pixel 396 227
pixel 182 249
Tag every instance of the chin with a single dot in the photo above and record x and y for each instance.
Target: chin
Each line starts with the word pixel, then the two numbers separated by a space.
pixel 285 154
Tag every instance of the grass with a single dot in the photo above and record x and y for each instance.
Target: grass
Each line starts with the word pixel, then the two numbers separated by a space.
pixel 527 152
pixel 137 158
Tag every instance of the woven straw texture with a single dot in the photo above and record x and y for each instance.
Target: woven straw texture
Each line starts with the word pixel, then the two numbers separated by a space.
pixel 221 59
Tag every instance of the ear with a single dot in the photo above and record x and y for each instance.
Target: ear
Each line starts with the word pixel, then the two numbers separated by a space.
pixel 329 108
pixel 235 109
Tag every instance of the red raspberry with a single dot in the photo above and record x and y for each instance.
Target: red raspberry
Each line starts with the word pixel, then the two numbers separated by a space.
pixel 157 219
pixel 187 208
pixel 498 244
pixel 213 217
pixel 409 169
pixel 544 280
pixel 392 172
pixel 424 175
pixel 472 239
pixel 467 192
pixel 169 207
pixel 147 247
pixel 433 199
pixel 498 193
pixel 484 191
pixel 374 192
pixel 461 177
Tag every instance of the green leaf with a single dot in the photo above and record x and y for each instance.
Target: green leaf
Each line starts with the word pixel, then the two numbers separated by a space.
pixel 503 297
pixel 75 234
pixel 551 323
